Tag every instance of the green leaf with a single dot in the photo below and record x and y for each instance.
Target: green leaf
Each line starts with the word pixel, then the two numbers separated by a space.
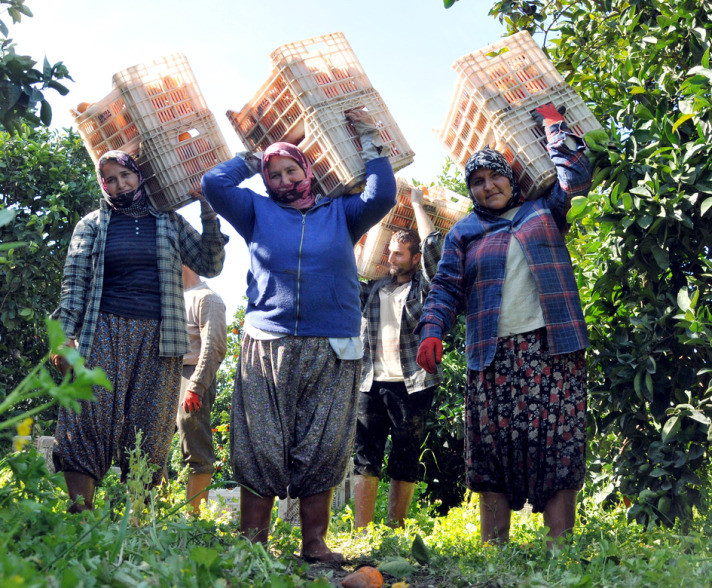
pixel 397 566
pixel 45 113
pixel 671 428
pixel 705 206
pixel 681 120
pixel 578 206
pixel 683 300
pixel 662 257
pixel 420 551
pixel 7 214
pixel 204 555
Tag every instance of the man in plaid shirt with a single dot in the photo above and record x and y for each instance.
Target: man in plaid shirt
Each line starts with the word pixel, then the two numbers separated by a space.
pixel 396 394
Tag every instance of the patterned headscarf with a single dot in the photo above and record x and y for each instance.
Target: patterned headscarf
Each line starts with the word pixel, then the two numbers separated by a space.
pixel 494 160
pixel 298 195
pixel 139 204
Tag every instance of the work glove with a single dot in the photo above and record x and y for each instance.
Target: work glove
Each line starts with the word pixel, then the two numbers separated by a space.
pixel 192 402
pixel 547 114
pixel 430 353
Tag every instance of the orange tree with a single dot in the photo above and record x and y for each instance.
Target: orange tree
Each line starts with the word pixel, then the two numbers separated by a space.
pixel 641 240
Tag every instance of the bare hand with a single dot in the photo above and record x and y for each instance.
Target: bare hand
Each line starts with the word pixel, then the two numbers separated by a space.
pixel 197 195
pixel 60 362
pixel 416 196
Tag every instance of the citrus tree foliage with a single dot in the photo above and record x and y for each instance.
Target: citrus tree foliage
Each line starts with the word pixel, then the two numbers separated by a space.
pixel 47 184
pixel 21 84
pixel 641 239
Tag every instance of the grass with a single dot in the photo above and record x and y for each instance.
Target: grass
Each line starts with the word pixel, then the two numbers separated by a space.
pixel 136 542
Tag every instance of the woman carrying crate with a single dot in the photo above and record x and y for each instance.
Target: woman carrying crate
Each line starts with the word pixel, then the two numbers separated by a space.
pixel 122 305
pixel 507 268
pixel 295 399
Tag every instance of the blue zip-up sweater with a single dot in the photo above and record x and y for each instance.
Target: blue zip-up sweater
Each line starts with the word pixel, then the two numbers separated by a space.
pixel 302 279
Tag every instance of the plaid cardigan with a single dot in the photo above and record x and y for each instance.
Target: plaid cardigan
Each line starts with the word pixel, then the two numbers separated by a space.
pixel 471 274
pixel 177 243
pixel 414 377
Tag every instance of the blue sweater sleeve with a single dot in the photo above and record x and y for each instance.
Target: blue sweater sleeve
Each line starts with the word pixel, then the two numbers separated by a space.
pixel 234 204
pixel 364 210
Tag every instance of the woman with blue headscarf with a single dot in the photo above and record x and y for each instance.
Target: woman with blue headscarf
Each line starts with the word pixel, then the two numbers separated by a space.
pixel 122 306
pixel 506 267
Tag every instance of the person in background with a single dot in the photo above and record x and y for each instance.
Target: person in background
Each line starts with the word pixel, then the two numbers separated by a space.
pixel 122 305
pixel 507 268
pixel 396 393
pixel 294 404
pixel 207 331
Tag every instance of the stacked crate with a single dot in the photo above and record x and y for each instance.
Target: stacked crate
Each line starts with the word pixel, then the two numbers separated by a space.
pixel 303 102
pixel 497 89
pixel 157 114
pixel 443 206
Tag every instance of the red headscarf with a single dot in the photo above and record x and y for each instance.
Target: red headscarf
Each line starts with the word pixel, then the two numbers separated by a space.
pixel 299 195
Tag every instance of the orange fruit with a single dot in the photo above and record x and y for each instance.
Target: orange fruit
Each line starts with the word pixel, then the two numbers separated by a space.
pixel 82 106
pixel 184 136
pixel 365 577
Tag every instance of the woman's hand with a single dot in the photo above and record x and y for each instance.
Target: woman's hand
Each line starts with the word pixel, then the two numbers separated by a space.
pixel 430 354
pixel 60 362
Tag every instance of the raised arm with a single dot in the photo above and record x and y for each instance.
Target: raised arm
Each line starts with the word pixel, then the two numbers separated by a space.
pixel 567 152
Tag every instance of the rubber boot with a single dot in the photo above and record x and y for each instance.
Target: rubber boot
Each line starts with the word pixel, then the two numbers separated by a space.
pixel 79 485
pixel 195 487
pixel 365 492
pixel 255 515
pixel 315 512
pixel 400 495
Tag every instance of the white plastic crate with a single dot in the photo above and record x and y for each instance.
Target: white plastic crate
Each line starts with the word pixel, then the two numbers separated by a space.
pixel 273 114
pixel 45 446
pixel 107 125
pixel 443 206
pixel 174 161
pixel 320 69
pixel 333 148
pixel 372 252
pixel 498 89
pixel 512 71
pixel 288 508
pixel 162 93
pixel 224 502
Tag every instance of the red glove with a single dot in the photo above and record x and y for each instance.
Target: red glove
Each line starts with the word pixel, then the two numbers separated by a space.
pixel 547 114
pixel 191 402
pixel 430 353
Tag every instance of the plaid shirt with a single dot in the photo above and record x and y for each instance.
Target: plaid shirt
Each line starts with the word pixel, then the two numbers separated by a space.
pixel 414 377
pixel 471 273
pixel 177 243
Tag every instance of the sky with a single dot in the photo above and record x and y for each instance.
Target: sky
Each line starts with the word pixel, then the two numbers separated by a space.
pixel 406 48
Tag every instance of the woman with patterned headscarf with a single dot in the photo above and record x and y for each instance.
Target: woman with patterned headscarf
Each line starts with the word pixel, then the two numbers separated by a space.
pixel 507 268
pixel 294 405
pixel 122 306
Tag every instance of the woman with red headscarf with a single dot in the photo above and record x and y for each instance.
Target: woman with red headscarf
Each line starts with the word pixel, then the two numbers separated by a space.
pixel 122 303
pixel 295 398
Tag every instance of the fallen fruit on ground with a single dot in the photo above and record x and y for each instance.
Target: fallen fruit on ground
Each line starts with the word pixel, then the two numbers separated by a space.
pixel 365 577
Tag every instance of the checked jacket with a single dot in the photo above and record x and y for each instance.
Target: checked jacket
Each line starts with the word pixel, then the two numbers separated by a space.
pixel 472 270
pixel 415 378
